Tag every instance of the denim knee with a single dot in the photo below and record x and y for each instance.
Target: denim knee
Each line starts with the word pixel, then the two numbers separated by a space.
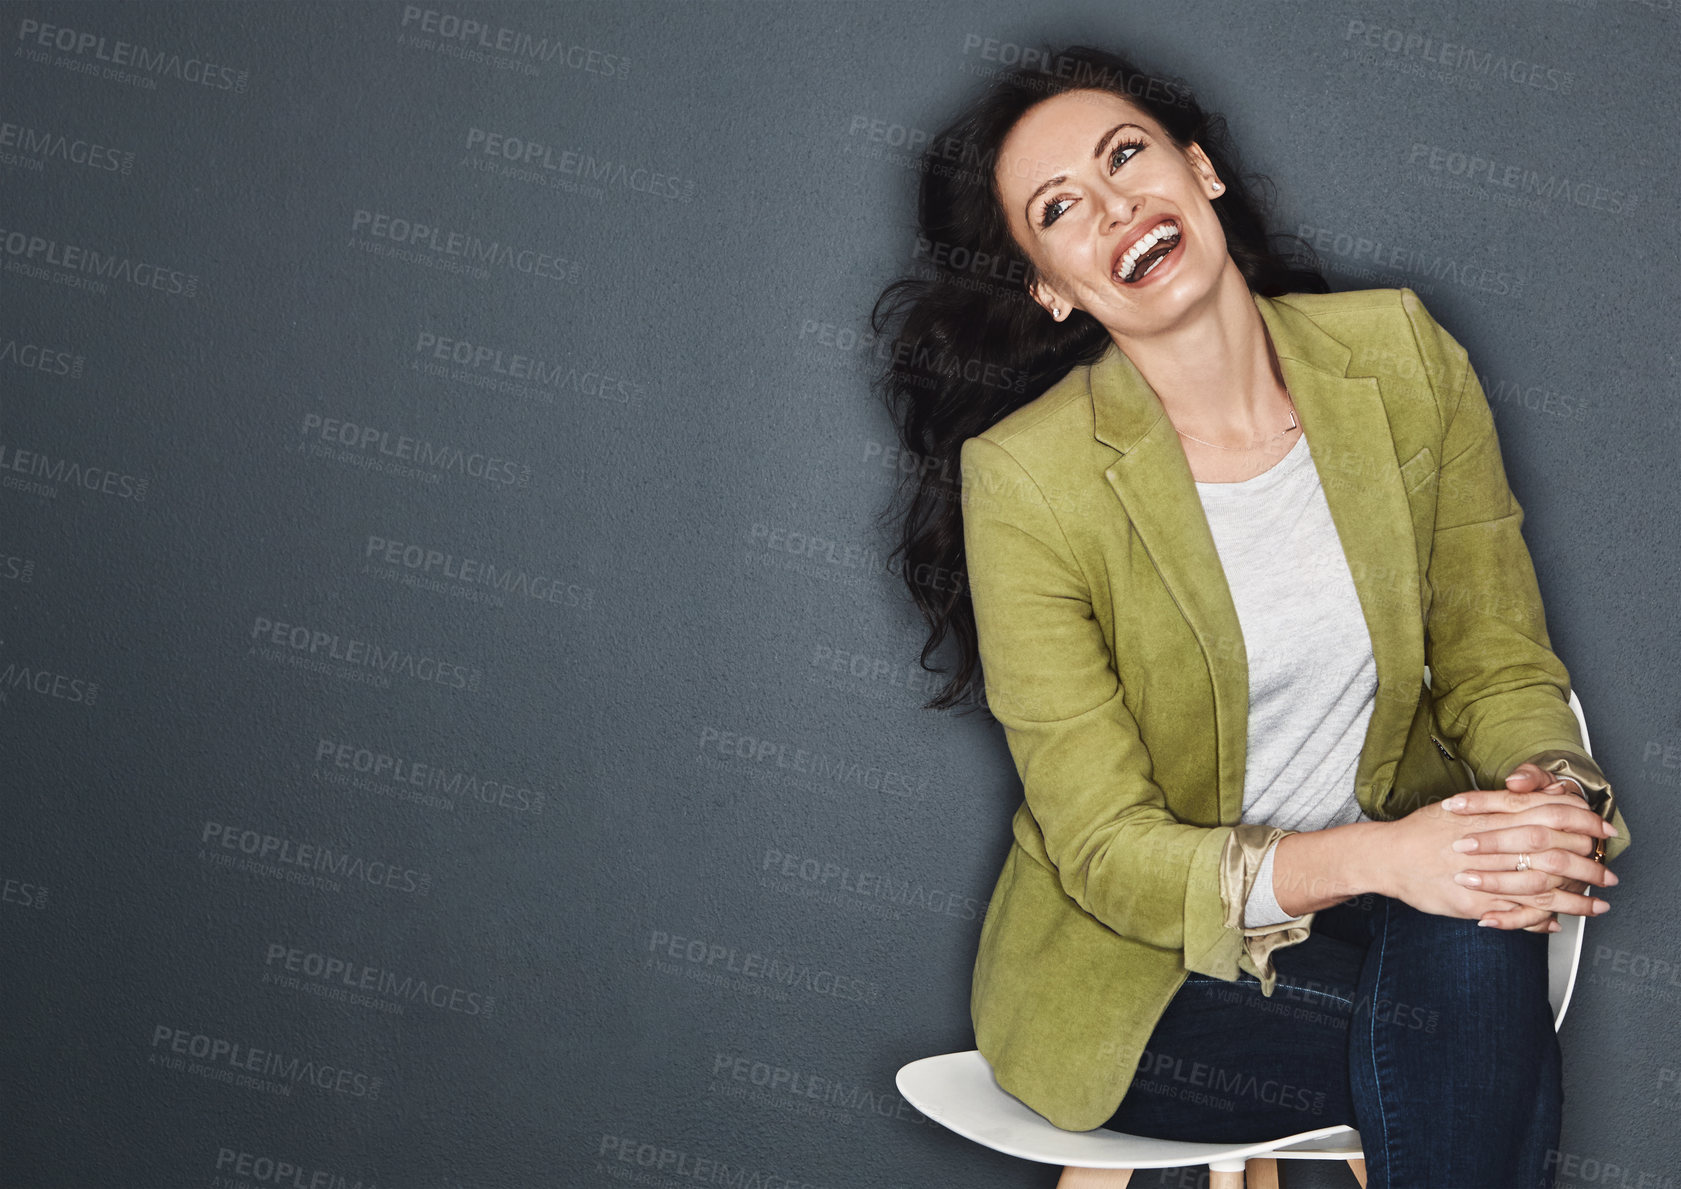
pixel 1464 964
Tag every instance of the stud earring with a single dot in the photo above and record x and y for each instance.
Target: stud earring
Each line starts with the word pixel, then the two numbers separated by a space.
pixel 1056 312
pixel 1219 186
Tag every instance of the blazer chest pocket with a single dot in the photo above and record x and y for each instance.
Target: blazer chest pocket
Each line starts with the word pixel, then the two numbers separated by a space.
pixel 1418 470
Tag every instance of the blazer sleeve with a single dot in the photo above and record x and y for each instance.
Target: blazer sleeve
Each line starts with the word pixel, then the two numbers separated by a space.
pixel 1501 694
pixel 1050 681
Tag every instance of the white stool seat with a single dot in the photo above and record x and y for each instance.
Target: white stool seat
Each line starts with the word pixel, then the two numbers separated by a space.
pixel 958 1091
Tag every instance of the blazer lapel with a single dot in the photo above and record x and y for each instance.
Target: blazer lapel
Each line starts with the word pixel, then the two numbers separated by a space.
pixel 1348 432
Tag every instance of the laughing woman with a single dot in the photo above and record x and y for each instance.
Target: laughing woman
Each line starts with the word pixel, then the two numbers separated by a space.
pixel 1215 523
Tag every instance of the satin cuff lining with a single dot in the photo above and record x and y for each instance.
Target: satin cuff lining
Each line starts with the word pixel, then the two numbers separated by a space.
pixel 1240 863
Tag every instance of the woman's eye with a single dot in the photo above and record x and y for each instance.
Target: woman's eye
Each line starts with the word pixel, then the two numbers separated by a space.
pixel 1131 149
pixel 1052 210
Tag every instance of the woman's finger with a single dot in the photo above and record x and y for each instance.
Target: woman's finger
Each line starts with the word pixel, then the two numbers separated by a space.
pixel 1530 777
pixel 1528 839
pixel 1515 918
pixel 1559 900
pixel 1547 869
pixel 1512 801
pixel 1572 816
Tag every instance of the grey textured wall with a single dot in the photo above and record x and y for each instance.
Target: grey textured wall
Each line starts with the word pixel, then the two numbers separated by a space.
pixel 322 849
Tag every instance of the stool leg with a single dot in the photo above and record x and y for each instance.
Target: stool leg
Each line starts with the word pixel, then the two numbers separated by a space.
pixel 1225 1180
pixel 1359 1169
pixel 1262 1173
pixel 1094 1178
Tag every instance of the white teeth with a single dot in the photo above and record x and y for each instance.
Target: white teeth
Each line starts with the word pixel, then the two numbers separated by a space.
pixel 1164 230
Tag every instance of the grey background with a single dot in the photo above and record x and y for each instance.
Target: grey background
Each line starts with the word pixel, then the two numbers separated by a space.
pixel 545 1025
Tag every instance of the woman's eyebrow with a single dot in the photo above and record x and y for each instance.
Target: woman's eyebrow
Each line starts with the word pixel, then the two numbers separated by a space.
pixel 1095 153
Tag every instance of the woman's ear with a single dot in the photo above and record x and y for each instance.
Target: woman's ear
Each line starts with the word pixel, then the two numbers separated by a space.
pixel 1053 302
pixel 1204 167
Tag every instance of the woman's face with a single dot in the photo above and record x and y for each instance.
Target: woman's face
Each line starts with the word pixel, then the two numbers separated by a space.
pixel 1095 191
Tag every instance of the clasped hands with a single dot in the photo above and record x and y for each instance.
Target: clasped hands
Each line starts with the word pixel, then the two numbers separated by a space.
pixel 1464 851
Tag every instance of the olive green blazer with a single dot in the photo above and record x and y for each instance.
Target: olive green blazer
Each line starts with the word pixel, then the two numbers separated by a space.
pixel 1113 658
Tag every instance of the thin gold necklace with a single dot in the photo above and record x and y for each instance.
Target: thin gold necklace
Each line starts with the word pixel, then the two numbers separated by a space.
pixel 1293 425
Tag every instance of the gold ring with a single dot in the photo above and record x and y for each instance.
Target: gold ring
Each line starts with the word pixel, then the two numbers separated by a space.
pixel 1523 862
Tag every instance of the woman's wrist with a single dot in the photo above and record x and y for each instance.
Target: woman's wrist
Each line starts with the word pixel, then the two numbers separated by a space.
pixel 1315 869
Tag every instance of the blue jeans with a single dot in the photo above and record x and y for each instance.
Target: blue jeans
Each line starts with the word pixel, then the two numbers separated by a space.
pixel 1429 1034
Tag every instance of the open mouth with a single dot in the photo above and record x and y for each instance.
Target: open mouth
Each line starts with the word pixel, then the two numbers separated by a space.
pixel 1148 253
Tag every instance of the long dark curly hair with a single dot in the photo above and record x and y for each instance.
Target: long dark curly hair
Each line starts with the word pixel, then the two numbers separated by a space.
pixel 963 343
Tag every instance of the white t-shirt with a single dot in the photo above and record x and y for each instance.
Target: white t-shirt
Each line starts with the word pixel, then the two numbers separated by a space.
pixel 1312 677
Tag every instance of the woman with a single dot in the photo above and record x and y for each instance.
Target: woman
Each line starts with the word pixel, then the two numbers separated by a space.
pixel 1216 522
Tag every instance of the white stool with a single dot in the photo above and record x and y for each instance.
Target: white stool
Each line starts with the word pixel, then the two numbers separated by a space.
pixel 958 1090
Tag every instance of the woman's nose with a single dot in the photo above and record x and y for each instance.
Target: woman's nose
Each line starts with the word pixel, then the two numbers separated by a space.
pixel 1118 207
